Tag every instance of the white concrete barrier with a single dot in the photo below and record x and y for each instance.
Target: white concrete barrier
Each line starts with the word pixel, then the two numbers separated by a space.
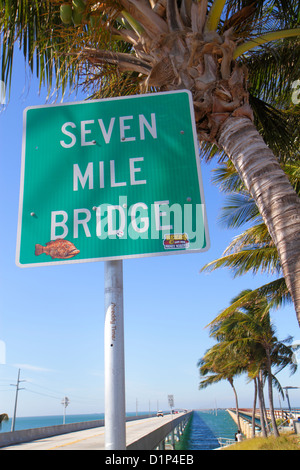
pixel 154 438
pixel 28 435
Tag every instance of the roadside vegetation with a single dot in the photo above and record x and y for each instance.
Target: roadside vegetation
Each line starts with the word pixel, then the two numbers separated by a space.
pixel 285 442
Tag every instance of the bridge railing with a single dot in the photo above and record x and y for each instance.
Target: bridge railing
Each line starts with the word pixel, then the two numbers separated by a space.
pixel 28 435
pixel 225 441
pixel 157 438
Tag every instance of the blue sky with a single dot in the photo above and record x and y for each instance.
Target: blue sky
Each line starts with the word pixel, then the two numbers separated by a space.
pixel 52 317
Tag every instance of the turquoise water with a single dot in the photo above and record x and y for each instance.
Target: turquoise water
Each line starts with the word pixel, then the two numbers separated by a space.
pixel 206 427
pixel 41 421
pixel 203 433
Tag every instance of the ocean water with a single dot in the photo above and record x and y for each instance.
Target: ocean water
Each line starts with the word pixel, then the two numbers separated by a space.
pixel 41 421
pixel 206 427
pixel 204 430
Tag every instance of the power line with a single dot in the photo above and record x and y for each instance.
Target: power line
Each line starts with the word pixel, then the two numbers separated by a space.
pixel 65 401
pixel 40 393
pixel 45 388
pixel 55 391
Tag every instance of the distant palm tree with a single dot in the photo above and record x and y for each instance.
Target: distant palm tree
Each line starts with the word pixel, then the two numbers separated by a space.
pixel 217 365
pixel 229 333
pixel 3 417
pixel 212 48
pixel 249 326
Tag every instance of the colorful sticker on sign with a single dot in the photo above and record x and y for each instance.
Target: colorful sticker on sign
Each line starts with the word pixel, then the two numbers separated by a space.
pixel 176 241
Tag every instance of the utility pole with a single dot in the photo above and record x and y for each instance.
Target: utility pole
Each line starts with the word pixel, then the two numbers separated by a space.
pixel 16 399
pixel 288 398
pixel 65 401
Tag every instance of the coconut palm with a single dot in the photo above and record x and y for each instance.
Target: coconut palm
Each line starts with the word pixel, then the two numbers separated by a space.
pixel 3 417
pixel 258 392
pixel 208 47
pixel 250 326
pixel 253 250
pixel 231 334
pixel 217 365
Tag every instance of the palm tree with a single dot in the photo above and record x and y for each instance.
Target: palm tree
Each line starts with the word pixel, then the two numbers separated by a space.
pixel 229 332
pixel 253 250
pixel 203 46
pixel 257 393
pixel 217 365
pixel 3 417
pixel 250 325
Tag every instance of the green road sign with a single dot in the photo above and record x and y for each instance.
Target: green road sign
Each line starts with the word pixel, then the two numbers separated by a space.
pixel 110 179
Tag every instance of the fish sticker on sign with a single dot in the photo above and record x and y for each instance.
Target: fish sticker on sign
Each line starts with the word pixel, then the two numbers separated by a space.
pixel 59 248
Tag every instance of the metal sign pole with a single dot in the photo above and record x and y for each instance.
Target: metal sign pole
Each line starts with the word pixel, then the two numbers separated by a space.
pixel 114 370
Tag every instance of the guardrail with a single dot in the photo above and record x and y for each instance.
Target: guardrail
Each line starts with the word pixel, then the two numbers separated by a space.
pixel 28 435
pixel 157 438
pixel 225 441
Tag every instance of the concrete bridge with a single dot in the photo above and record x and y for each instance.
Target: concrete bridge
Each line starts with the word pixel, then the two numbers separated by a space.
pixel 141 434
pixel 246 420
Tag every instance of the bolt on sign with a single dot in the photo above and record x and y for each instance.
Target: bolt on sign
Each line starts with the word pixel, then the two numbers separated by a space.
pixel 110 179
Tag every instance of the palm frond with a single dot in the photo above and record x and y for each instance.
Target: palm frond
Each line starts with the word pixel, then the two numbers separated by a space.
pixel 37 29
pixel 264 39
pixel 263 260
pixel 292 170
pixel 212 379
pixel 273 70
pixel 278 128
pixel 261 16
pixel 239 209
pixel 255 236
pixel 275 292
pixel 226 178
pixel 214 15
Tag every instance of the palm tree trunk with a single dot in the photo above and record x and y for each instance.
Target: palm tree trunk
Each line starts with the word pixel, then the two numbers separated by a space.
pixel 236 403
pixel 275 198
pixel 261 407
pixel 254 407
pixel 267 424
pixel 271 405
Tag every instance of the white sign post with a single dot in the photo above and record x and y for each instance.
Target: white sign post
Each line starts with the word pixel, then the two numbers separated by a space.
pixel 115 434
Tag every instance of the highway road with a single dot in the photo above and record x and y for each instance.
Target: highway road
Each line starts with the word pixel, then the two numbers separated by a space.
pixel 93 439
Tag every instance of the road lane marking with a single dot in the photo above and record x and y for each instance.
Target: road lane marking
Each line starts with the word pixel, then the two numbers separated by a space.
pixel 90 437
pixel 77 440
